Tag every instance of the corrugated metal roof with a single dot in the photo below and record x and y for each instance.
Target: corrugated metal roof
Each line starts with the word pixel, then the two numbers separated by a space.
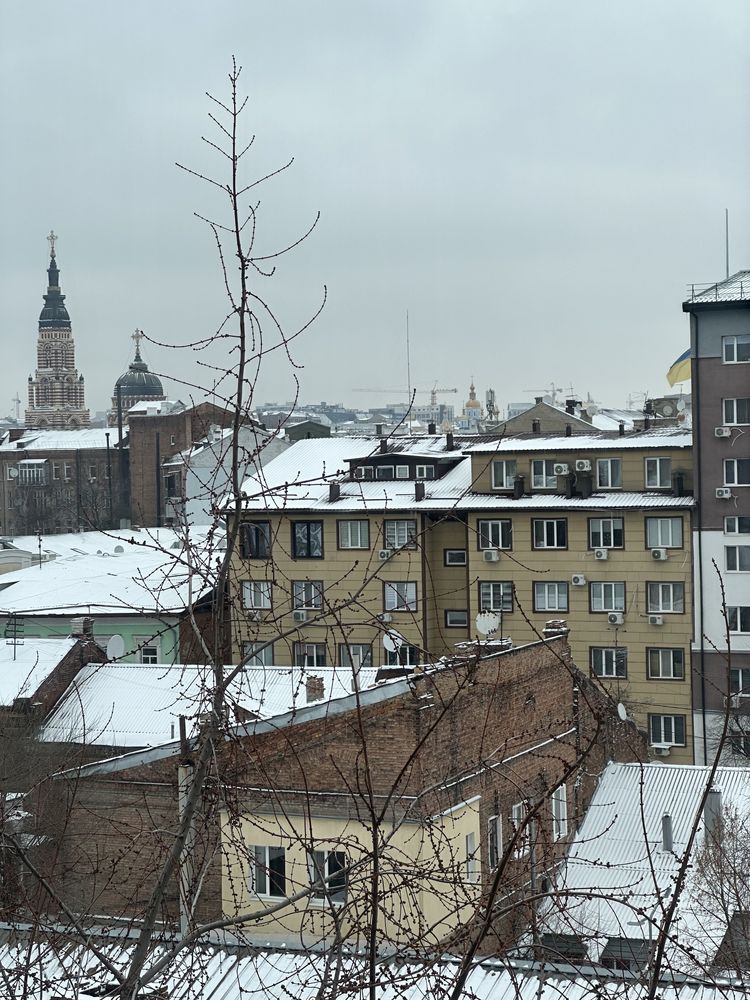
pixel 92 437
pixel 657 437
pixel 25 664
pixel 735 288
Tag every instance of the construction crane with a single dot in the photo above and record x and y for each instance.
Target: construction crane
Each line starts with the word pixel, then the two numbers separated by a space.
pixel 433 392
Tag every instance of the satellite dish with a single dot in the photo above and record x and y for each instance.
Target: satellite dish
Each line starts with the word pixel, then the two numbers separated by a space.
pixel 680 405
pixel 13 473
pixel 115 647
pixel 487 622
pixel 622 711
pixel 119 550
pixel 393 641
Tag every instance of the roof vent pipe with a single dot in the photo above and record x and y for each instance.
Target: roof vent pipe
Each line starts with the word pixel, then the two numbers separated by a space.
pixel 536 426
pixel 378 430
pixel 646 421
pixel 667 839
pixel 568 430
pixel 334 492
pixel 449 441
pixel 621 428
pixel 384 446
pixel 431 428
pixel 419 491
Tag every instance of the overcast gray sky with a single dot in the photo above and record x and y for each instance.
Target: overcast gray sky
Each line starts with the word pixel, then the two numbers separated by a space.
pixel 535 181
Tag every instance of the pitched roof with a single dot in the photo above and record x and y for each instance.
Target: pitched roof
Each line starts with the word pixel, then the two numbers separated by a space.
pixel 26 664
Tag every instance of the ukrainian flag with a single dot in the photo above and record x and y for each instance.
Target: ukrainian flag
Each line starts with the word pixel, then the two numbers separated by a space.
pixel 680 370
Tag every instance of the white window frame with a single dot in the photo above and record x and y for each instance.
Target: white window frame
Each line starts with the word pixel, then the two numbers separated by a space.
pixel 738 618
pixel 455 557
pixel 400 533
pixel 68 471
pixel 307 595
pixel 55 470
pixel 351 538
pixel 662 730
pixel 609 594
pixel 400 595
pixel 310 654
pixel 407 655
pixel 736 525
pixel 542 474
pixel 658 472
pixel 665 663
pixel 473 869
pixel 365 472
pixel 518 815
pixel 256 595
pixel 737 558
pixel 494 840
pixel 739 681
pixel 361 649
pixel 737 471
pixel 489 590
pixel 385 473
pixel 606 524
pixel 663 532
pixel 736 411
pixel 260 871
pixel 550 533
pixel 559 810
pixel 424 472
pixel 325 888
pixel 264 658
pixel 402 472
pixel 503 473
pixel 550 596
pixel 149 648
pixel 609 662
pixel 455 618
pixel 496 533
pixel 730 344
pixel 665 598
pixel 609 473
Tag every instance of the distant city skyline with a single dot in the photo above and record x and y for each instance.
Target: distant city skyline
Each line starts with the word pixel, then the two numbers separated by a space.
pixel 537 184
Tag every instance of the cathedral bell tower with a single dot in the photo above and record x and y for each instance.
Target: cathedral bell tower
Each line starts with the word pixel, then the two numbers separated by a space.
pixel 56 396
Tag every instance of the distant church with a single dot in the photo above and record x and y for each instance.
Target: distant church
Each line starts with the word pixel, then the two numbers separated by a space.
pixel 56 393
pixel 136 385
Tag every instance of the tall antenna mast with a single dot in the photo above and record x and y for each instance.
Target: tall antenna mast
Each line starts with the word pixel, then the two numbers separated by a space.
pixel 726 238
pixel 408 368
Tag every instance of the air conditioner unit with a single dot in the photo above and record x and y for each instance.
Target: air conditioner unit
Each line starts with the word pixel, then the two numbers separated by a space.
pixel 583 465
pixel 578 580
pixel 560 469
pixel 655 620
pixel 616 618
pixel 300 616
pixel 723 493
pixel 659 554
pixel 601 553
pixel 384 554
pixel 386 617
pixel 491 555
pixel 722 432
pixel 662 750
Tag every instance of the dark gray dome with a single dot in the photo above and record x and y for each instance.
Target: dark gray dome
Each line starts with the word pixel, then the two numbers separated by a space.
pixel 54 315
pixel 139 381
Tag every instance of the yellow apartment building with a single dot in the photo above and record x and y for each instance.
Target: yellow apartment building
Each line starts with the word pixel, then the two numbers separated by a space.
pixel 385 553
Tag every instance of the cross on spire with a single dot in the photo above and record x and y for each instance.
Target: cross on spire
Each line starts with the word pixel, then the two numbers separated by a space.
pixel 138 337
pixel 51 239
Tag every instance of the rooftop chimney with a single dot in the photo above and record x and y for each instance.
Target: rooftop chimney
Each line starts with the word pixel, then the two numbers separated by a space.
pixel 431 428
pixel 449 441
pixel 82 628
pixel 384 446
pixel 621 428
pixel 570 405
pixel 334 492
pixel 378 430
pixel 314 688
pixel 568 430
pixel 419 490
pixel 538 399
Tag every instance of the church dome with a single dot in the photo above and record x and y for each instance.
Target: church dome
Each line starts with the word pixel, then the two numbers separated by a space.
pixel 54 315
pixel 138 382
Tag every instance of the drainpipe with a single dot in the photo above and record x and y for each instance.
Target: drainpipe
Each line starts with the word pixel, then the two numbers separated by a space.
pixel 158 480
pixel 109 483
pixel 698 491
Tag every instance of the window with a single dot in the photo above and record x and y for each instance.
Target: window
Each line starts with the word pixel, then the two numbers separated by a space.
pixel 328 875
pixel 68 466
pixel 456 619
pixel 737 411
pixel 268 874
pixel 355 653
pixel 609 661
pixel 494 840
pixel 92 473
pixel 737 471
pixel 55 470
pixel 255 540
pixel 496 596
pixel 32 475
pixel 736 525
pixel 307 539
pixel 307 594
pixel 543 474
pixel 171 439
pixel 518 813
pixel 550 596
pixel 400 534
pixel 666 664
pixel 454 557
pixel 310 654
pixel 658 473
pixel 737 558
pixel 384 472
pixel 400 596
pixel 472 858
pixel 664 532
pixel 148 650
pixel 503 473
pixel 609 473
pixel 256 594
pixel 425 472
pixel 606 533
pixel 738 617
pixel 259 654
pixel 404 656
pixel 550 534
pixel 354 534
pixel 559 803
pixel 736 349
pixel 667 730
pixel 739 681
pixel 607 596
pixel 364 472
pixel 402 472
pixel 665 598
pixel 495 534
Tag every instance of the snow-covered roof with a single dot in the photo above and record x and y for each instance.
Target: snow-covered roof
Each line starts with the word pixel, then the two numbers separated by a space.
pixel 81 440
pixel 735 288
pixel 26 664
pixel 658 437
pixel 108 573
pixel 298 480
pixel 617 868
pixel 139 704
